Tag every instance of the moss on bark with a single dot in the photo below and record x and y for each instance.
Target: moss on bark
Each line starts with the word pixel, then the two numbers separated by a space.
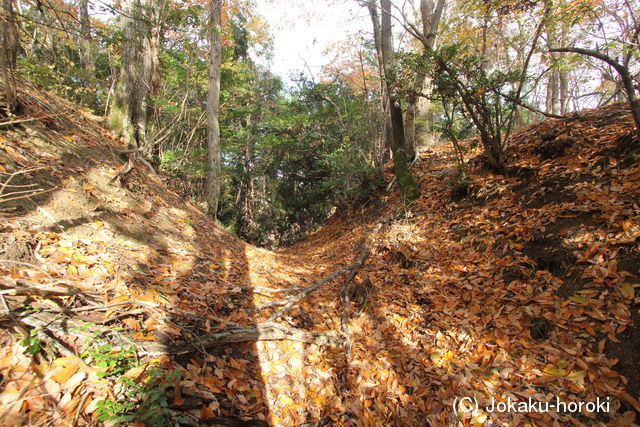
pixel 406 181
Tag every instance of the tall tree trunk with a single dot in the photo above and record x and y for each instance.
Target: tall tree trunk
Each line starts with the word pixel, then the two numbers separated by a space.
pixel 9 95
pixel 563 92
pixel 431 15
pixel 151 74
pixel 85 45
pixel 406 181
pixel 10 45
pixel 10 35
pixel 126 108
pixel 558 81
pixel 410 115
pixel 40 22
pixel 139 73
pixel 246 193
pixel 387 134
pixel 213 104
pixel 552 92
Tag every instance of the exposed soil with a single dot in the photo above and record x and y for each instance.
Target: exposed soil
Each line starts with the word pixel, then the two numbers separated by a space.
pixel 628 354
pixel 555 148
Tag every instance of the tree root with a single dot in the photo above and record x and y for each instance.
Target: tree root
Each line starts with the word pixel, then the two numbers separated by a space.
pixel 132 156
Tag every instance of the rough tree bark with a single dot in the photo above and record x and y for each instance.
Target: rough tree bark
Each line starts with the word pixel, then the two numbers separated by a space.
pixel 557 83
pixel 246 209
pixel 12 38
pixel 213 104
pixel 387 134
pixel 151 74
pixel 125 108
pixel 384 47
pixel 139 73
pixel 551 104
pixel 10 46
pixel 431 14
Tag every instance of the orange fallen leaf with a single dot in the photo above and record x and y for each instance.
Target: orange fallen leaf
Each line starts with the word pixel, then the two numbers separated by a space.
pixel 66 367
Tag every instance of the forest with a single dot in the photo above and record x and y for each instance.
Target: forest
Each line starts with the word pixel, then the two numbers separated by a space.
pixel 436 224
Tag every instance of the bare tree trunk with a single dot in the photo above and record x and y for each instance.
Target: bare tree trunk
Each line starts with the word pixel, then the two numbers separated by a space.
pixel 410 115
pixel 151 74
pixel 213 104
pixel 39 24
pixel 387 134
pixel 9 95
pixel 84 44
pixel 246 193
pixel 552 92
pixel 12 37
pixel 8 55
pixel 557 82
pixel 563 93
pixel 126 108
pixel 401 169
pixel 139 74
pixel 431 15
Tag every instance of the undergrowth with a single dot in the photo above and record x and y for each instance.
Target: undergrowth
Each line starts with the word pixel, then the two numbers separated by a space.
pixel 141 393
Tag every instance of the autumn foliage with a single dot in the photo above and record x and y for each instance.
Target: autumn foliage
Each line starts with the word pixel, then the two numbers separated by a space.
pixel 522 286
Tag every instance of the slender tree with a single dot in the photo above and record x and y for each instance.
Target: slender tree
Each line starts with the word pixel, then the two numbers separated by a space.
pixel 383 38
pixel 10 46
pixel 213 183
pixel 387 134
pixel 11 37
pixel 84 43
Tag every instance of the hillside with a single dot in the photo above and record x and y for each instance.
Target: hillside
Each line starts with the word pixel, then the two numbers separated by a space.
pixel 512 287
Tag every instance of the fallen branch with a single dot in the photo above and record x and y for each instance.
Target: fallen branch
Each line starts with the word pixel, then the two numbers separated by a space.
pixel 121 315
pixel 296 298
pixel 45 290
pixel 61 324
pixel 344 324
pixel 36 192
pixel 114 304
pixel 346 302
pixel 272 304
pixel 265 331
pixel 27 287
pixel 28 264
pixel 30 119
pixel 261 289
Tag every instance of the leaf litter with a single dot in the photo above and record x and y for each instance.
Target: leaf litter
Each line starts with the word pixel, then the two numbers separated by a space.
pixel 526 287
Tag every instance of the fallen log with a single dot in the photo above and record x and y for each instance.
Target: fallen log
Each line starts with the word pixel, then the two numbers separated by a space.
pixel 63 325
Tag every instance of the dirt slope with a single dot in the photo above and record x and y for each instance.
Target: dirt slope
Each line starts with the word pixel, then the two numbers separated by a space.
pixel 519 286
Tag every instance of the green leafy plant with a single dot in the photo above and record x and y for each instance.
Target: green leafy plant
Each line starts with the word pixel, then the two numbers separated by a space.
pixel 145 400
pixel 103 355
pixel 32 343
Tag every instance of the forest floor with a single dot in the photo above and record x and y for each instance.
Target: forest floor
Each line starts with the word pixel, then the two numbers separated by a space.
pixel 511 288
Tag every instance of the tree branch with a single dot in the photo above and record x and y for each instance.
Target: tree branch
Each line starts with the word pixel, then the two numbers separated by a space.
pixel 309 289
pixel 592 53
